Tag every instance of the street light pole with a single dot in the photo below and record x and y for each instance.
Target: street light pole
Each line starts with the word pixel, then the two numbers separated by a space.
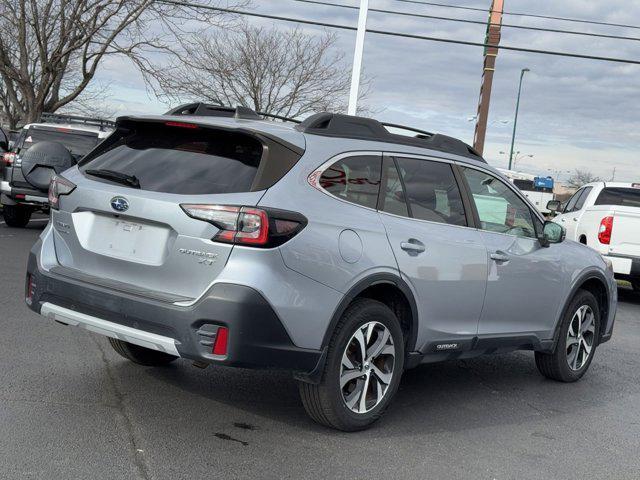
pixel 357 57
pixel 515 120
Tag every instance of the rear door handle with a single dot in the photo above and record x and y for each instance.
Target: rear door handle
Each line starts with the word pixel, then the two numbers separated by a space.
pixel 499 257
pixel 413 246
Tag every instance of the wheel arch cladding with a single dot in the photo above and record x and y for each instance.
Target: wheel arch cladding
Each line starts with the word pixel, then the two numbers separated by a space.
pixel 390 290
pixel 596 284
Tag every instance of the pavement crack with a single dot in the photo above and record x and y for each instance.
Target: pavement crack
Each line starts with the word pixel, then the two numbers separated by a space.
pixel 142 469
pixel 224 436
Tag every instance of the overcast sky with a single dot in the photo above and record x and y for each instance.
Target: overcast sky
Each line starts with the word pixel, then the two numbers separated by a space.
pixel 574 113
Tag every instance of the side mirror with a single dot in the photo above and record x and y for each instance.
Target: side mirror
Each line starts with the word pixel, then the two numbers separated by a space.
pixel 552 233
pixel 553 205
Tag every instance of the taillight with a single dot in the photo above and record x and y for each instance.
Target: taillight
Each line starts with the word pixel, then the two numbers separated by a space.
pixel 605 230
pixel 249 226
pixel 8 158
pixel 30 289
pixel 57 187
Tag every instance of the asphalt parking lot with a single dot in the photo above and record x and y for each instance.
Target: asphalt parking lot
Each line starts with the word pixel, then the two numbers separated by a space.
pixel 70 408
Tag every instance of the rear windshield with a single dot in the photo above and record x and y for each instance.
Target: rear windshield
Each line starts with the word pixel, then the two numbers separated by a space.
pixel 78 143
pixel 628 197
pixel 179 159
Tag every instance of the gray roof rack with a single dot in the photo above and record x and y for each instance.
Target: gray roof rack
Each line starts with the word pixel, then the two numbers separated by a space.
pixel 347 126
pixel 200 109
pixel 46 117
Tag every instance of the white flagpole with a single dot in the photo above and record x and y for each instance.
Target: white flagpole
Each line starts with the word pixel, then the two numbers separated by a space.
pixel 357 57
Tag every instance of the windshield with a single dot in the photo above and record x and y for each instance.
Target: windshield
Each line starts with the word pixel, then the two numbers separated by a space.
pixel 77 142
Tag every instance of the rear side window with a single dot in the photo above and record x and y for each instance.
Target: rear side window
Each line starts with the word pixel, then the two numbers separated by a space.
pixel 431 191
pixel 187 160
pixel 628 197
pixel 354 179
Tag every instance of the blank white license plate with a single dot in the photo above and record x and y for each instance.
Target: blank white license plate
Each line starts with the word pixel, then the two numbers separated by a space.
pixel 135 242
pixel 124 237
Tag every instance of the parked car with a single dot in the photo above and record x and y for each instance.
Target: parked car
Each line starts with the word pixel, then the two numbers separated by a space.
pixel 333 249
pixel 25 176
pixel 606 217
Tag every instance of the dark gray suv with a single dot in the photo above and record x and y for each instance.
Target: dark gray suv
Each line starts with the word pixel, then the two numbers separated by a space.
pixel 333 248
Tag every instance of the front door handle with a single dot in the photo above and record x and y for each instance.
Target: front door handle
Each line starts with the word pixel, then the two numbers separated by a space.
pixel 413 246
pixel 499 256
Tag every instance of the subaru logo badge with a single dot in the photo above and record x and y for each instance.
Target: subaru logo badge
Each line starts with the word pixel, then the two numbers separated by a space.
pixel 119 204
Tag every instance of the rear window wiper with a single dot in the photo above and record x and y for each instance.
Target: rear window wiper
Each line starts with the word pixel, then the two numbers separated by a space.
pixel 129 180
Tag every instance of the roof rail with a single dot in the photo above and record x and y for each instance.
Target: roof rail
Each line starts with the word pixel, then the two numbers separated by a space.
pixel 46 117
pixel 200 109
pixel 347 126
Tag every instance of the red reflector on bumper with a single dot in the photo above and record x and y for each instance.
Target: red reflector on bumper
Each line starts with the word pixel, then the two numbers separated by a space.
pixel 220 346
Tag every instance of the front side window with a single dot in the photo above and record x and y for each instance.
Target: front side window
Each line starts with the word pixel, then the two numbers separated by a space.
pixel 354 179
pixel 500 210
pixel 582 199
pixel 571 204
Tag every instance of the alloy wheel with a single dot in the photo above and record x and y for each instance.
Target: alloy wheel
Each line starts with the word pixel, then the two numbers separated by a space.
pixel 367 367
pixel 580 337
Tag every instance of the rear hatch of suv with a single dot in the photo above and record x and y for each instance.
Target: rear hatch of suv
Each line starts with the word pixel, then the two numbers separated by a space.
pixel 134 220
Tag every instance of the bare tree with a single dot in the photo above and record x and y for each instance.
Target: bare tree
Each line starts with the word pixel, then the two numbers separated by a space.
pixel 50 49
pixel 289 73
pixel 580 178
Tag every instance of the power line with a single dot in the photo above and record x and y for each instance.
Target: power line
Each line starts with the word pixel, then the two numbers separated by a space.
pixel 520 14
pixel 397 34
pixel 475 22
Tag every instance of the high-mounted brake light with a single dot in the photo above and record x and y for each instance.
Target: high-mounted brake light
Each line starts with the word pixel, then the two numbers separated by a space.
pixel 57 187
pixel 605 230
pixel 249 226
pixel 181 125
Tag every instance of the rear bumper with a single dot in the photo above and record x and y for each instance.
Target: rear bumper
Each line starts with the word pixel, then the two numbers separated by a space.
pixel 625 268
pixel 14 195
pixel 257 338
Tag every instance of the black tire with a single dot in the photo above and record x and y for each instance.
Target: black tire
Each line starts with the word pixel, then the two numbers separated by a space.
pixel 635 284
pixel 324 402
pixel 141 355
pixel 556 365
pixel 16 216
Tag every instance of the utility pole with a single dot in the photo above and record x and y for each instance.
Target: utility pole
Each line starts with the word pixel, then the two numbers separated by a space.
pixel 490 54
pixel 357 57
pixel 515 119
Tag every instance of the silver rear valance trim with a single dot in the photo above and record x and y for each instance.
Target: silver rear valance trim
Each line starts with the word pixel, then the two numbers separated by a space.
pixel 110 329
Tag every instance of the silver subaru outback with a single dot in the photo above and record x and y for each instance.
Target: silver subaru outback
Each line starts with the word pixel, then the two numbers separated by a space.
pixel 338 248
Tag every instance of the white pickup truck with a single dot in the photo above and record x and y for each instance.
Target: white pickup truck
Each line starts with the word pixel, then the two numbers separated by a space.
pixel 606 217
